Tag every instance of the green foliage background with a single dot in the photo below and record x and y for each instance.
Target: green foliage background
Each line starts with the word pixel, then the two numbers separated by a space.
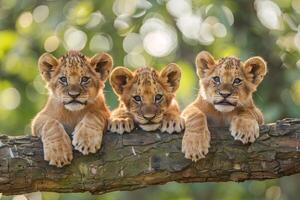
pixel 29 28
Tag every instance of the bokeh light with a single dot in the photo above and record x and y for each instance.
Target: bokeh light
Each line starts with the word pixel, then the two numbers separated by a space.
pixel 19 197
pixel 51 43
pixel 273 193
pixel 10 99
pixel 159 39
pixel 40 13
pixel 124 7
pixel 179 8
pixel 100 42
pixel 135 60
pixel 25 19
pixel 75 39
pixel 295 90
pixel 133 43
pixel 190 25
pixel 96 19
pixel 269 14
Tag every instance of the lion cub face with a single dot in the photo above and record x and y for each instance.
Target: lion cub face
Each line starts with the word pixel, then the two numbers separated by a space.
pixel 75 80
pixel 228 83
pixel 146 93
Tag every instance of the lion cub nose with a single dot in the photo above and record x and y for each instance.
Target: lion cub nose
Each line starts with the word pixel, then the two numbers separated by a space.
pixel 149 112
pixel 74 94
pixel 225 94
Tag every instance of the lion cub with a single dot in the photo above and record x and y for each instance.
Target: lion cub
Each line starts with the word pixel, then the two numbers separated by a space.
pixel 76 102
pixel 226 87
pixel 147 99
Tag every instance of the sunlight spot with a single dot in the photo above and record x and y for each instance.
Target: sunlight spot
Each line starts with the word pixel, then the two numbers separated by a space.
pixel 269 14
pixel 158 43
pixel 19 197
pixel 228 15
pixel 75 39
pixel 273 193
pixel 51 43
pixel 134 60
pixel 121 23
pixel 205 35
pixel 96 19
pixel 178 8
pixel 298 64
pixel 40 13
pixel 297 41
pixel 295 91
pixel 25 20
pixel 219 30
pixel 10 98
pixel 133 43
pixel 190 25
pixel 159 39
pixel 100 42
pixel 124 7
pixel 286 42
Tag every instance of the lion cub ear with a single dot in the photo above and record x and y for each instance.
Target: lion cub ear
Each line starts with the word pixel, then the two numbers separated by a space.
pixel 102 64
pixel 119 78
pixel 171 74
pixel 47 65
pixel 205 62
pixel 255 69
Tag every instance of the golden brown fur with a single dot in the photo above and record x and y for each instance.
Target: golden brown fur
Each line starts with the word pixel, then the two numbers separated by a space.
pixel 147 98
pixel 76 102
pixel 226 88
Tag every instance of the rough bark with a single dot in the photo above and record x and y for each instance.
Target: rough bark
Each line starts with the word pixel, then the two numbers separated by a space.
pixel 140 159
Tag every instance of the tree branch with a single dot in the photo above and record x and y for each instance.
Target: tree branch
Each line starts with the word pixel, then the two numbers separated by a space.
pixel 139 159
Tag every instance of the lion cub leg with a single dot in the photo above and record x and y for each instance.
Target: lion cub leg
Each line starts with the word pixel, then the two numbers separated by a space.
pixel 120 121
pixel 196 138
pixel 245 127
pixel 172 121
pixel 56 142
pixel 88 133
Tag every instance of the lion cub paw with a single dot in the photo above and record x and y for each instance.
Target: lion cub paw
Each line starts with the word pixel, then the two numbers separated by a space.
pixel 244 129
pixel 195 145
pixel 86 139
pixel 173 125
pixel 59 151
pixel 120 125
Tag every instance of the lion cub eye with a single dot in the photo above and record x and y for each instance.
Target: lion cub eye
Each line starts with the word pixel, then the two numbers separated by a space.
pixel 85 79
pixel 137 98
pixel 63 80
pixel 216 79
pixel 237 81
pixel 158 98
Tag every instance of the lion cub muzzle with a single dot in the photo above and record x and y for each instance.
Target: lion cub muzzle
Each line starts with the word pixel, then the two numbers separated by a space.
pixel 149 111
pixel 74 102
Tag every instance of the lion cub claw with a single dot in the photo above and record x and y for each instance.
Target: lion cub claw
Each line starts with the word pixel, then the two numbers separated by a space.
pixel 244 129
pixel 172 125
pixel 121 125
pixel 195 145
pixel 59 152
pixel 87 140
